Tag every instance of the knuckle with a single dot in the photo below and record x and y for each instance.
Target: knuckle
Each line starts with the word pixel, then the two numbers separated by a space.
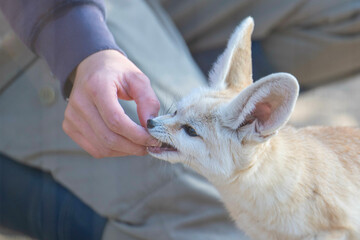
pixel 66 127
pixel 91 85
pixel 144 79
pixel 110 141
pixel 67 114
pixel 114 122
pixel 140 77
pixel 91 90
pixel 74 104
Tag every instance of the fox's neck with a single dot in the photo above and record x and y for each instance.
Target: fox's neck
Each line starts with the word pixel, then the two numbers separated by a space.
pixel 273 174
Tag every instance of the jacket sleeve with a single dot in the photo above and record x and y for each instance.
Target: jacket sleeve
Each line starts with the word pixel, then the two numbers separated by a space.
pixel 63 32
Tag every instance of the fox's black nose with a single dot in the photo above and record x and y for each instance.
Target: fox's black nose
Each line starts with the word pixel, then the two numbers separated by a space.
pixel 150 123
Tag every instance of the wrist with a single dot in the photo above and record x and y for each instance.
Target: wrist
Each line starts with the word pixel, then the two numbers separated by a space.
pixel 65 47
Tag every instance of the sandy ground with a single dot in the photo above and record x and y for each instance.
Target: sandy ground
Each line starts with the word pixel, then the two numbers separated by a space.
pixel 336 104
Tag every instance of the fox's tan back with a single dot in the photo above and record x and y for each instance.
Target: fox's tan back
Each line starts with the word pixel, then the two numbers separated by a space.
pixel 319 170
pixel 345 143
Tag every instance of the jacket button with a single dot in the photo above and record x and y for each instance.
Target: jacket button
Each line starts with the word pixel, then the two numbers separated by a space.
pixel 47 96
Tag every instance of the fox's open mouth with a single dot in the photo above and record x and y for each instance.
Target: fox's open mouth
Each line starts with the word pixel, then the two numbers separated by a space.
pixel 165 147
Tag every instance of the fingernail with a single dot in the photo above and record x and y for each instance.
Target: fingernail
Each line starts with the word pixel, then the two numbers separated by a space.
pixel 152 116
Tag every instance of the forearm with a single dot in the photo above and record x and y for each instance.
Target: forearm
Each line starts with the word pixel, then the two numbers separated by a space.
pixel 63 32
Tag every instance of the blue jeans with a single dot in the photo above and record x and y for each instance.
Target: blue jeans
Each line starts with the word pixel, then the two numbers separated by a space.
pixel 32 203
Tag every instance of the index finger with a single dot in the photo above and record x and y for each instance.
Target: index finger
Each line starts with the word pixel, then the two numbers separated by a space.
pixel 115 118
pixel 144 96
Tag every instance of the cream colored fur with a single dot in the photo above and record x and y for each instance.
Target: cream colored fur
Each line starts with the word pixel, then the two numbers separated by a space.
pixel 276 181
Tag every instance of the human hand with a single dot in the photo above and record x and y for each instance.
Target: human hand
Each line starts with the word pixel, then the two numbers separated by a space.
pixel 95 120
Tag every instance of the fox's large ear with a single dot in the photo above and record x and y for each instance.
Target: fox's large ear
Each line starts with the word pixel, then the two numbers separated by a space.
pixel 265 105
pixel 233 69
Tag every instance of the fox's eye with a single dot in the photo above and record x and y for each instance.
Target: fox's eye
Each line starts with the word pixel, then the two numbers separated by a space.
pixel 189 131
pixel 174 113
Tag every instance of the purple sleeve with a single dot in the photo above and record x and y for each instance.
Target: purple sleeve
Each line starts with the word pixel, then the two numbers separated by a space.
pixel 63 32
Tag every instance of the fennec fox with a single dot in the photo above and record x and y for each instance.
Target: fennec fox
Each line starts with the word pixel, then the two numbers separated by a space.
pixel 277 182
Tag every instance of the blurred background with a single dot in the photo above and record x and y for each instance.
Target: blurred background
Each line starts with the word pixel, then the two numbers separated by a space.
pixel 316 41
